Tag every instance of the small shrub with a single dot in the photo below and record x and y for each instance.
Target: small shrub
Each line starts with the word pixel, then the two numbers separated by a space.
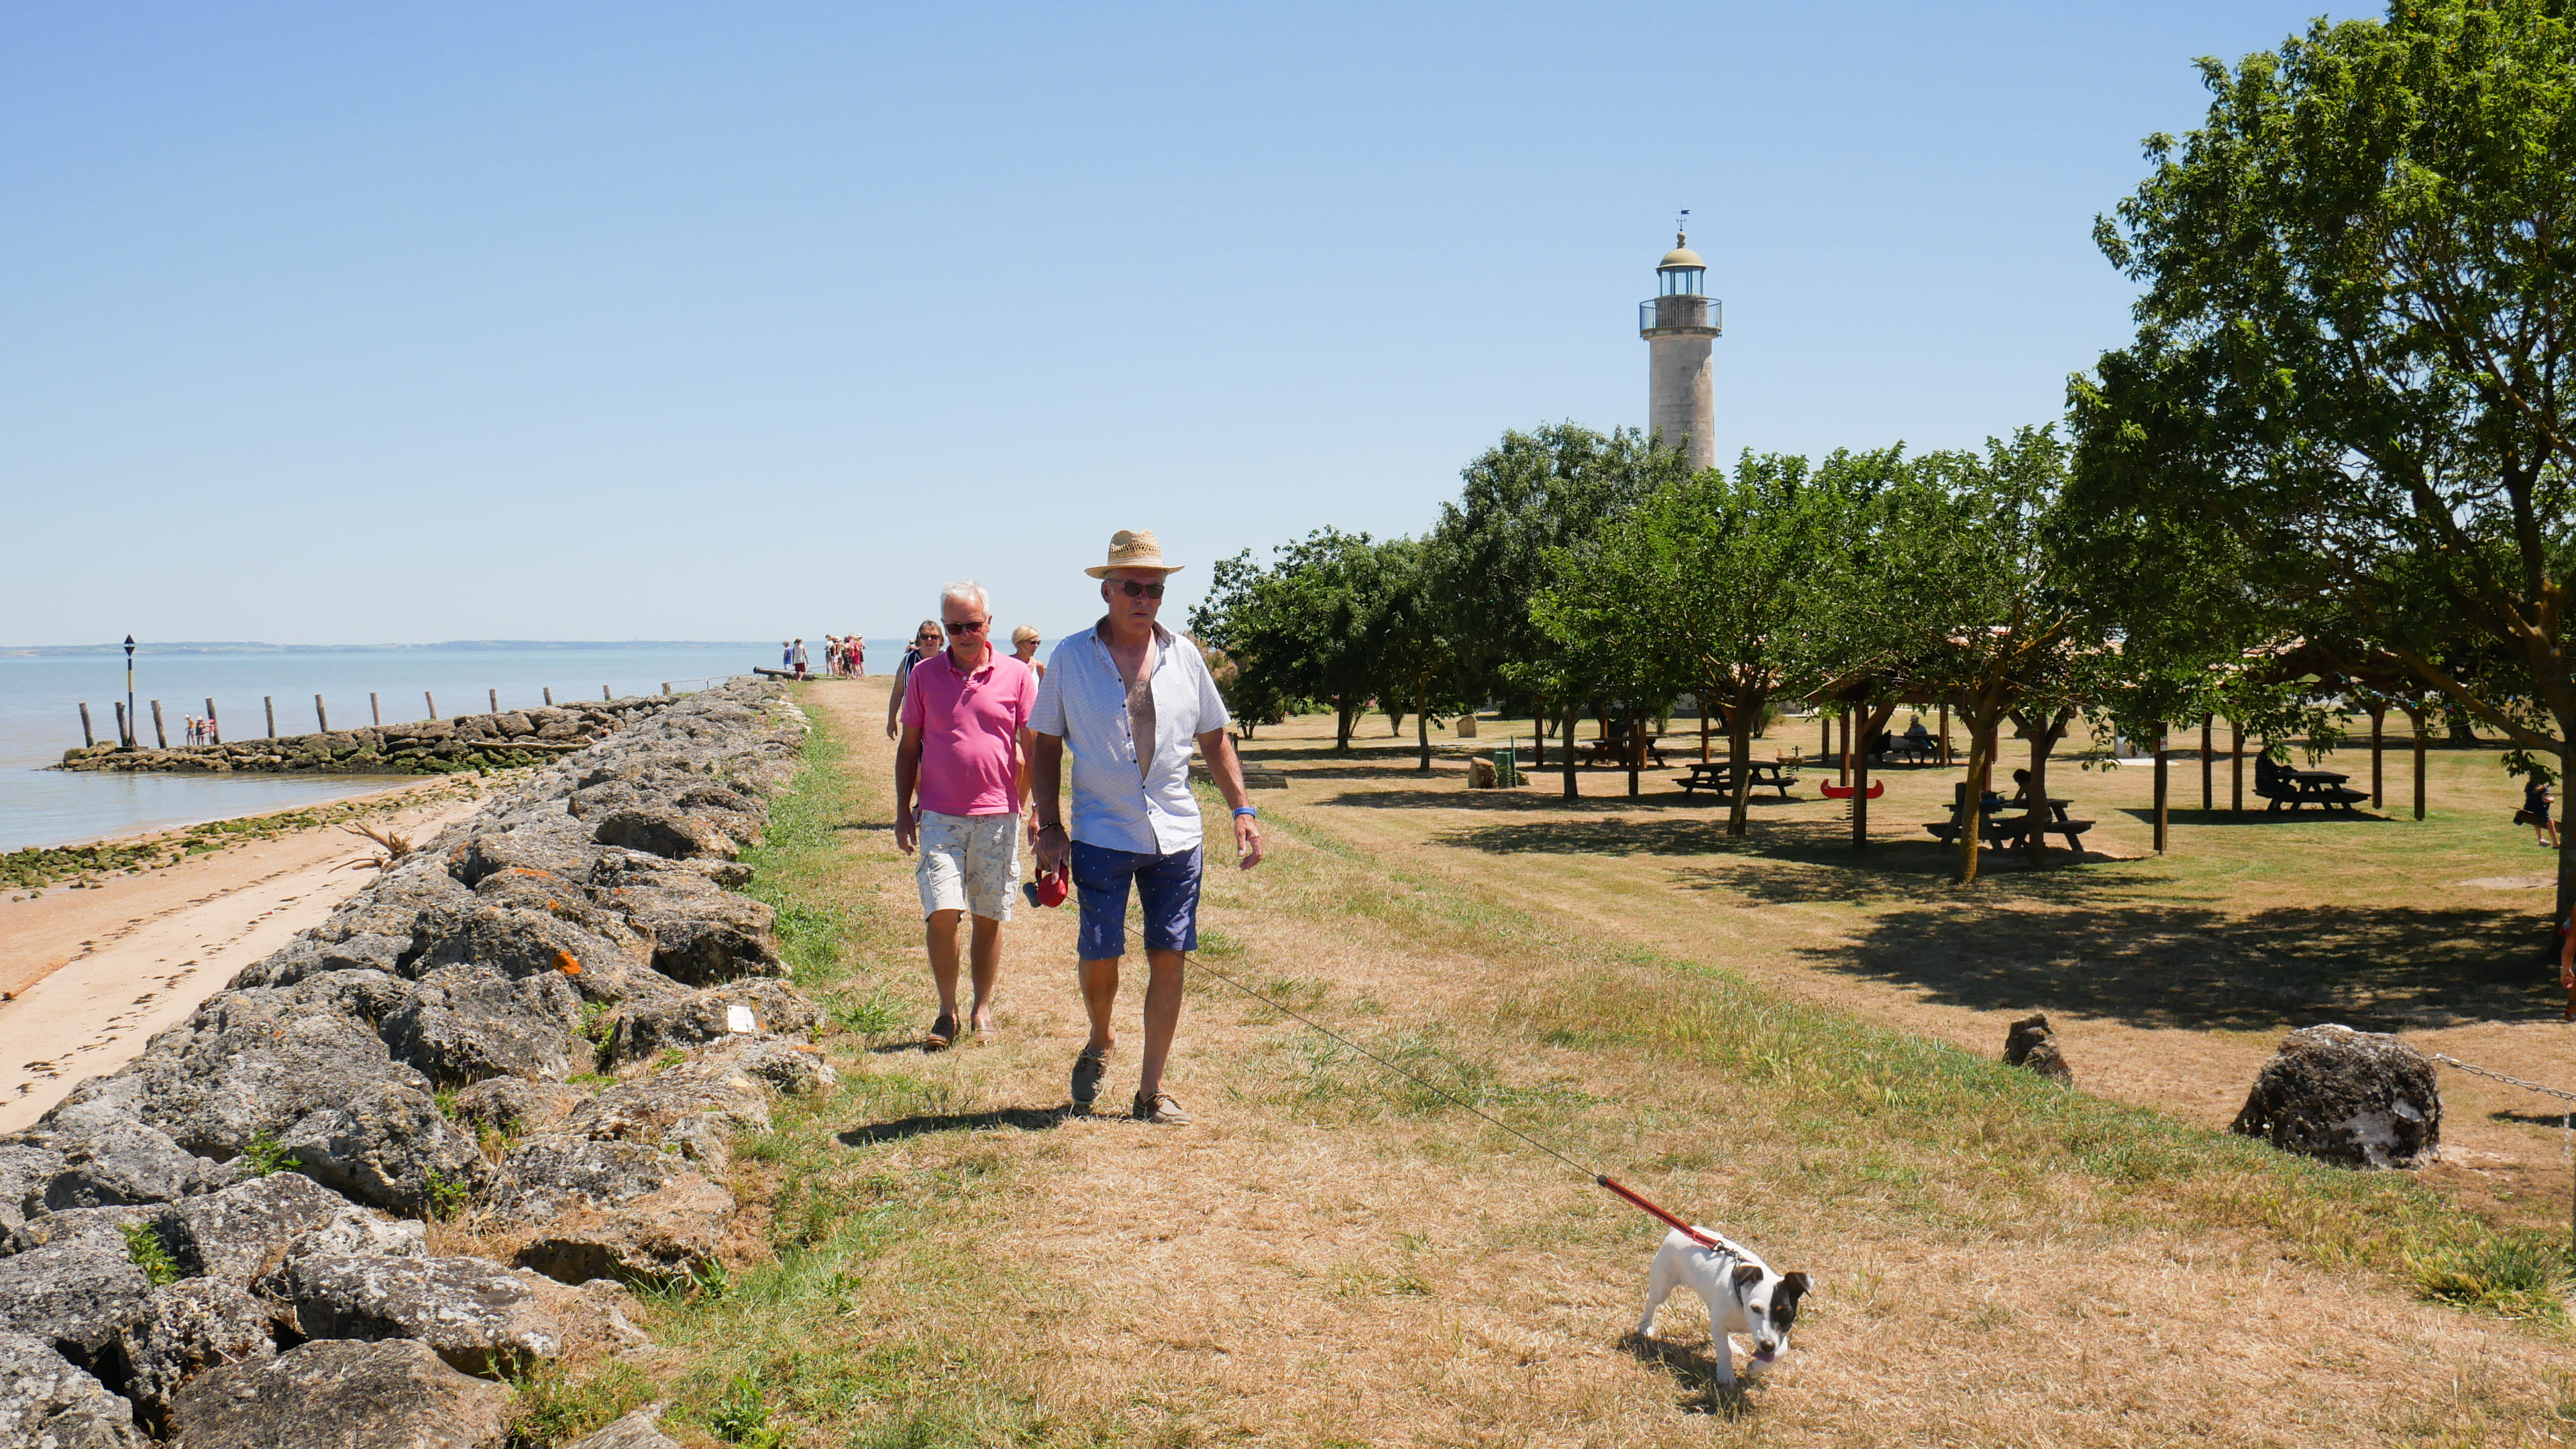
pixel 741 1415
pixel 872 1017
pixel 2520 1276
pixel 144 1248
pixel 554 1408
pixel 447 1197
pixel 265 1154
pixel 670 1057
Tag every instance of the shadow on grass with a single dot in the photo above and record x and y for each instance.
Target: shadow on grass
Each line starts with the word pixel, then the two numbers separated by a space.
pixel 1025 1119
pixel 2199 817
pixel 1695 1369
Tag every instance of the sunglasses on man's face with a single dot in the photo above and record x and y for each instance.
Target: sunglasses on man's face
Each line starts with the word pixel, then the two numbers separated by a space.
pixel 974 627
pixel 1133 588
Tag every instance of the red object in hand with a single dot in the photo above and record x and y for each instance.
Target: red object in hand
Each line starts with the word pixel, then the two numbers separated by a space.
pixel 1051 888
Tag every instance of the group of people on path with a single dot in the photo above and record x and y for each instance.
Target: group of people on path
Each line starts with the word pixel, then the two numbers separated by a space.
pixel 980 763
pixel 843 657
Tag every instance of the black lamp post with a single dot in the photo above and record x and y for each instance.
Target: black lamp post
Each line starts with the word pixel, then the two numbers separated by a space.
pixel 130 730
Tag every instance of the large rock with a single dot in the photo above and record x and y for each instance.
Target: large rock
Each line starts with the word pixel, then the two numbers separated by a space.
pixel 27 1165
pixel 716 1013
pixel 639 1430
pixel 245 1230
pixel 702 935
pixel 466 1023
pixel 47 1403
pixel 607 1209
pixel 504 1109
pixel 184 1329
pixel 480 1317
pixel 340 1394
pixel 664 832
pixel 118 1163
pixel 2364 1099
pixel 77 1292
pixel 2031 1044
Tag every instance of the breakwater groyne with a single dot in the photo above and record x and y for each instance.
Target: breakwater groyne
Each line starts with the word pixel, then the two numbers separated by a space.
pixel 422 747
pixel 542 1028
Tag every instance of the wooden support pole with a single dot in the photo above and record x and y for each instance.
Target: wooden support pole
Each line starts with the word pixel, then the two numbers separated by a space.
pixel 160 734
pixel 214 731
pixel 2163 803
pixel 432 701
pixel 605 695
pixel 1571 789
pixel 1844 755
pixel 1703 719
pixel 1703 724
pixel 2378 717
pixel 1860 789
pixel 375 709
pixel 321 716
pixel 2415 718
pixel 492 697
pixel 89 737
pixel 1636 751
pixel 2208 799
pixel 269 704
pixel 550 697
pixel 2235 768
pixel 1825 751
pixel 123 740
pixel 1945 733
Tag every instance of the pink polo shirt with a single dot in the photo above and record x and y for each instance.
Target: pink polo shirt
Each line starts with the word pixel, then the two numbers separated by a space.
pixel 970 729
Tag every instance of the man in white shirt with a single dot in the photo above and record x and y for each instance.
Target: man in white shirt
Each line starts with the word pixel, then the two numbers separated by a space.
pixel 1130 697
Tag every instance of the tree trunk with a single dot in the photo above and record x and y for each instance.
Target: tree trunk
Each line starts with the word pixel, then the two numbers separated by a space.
pixel 1538 729
pixel 1739 752
pixel 2566 861
pixel 1972 818
pixel 1636 749
pixel 1347 714
pixel 1565 737
pixel 2052 728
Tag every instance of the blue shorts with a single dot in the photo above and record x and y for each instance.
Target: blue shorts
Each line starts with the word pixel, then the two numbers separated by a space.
pixel 1168 885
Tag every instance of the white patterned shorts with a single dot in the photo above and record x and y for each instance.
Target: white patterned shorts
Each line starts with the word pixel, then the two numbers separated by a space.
pixel 968 863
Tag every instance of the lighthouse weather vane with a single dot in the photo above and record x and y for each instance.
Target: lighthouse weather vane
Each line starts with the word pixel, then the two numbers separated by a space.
pixel 1681 228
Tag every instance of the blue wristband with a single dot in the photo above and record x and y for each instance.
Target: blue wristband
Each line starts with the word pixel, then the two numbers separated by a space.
pixel 1242 810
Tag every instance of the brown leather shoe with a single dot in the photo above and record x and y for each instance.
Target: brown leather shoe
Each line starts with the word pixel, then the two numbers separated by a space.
pixel 1088 1069
pixel 1161 1110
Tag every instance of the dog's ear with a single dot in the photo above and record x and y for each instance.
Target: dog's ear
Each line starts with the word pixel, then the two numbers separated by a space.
pixel 1746 1275
pixel 1793 1286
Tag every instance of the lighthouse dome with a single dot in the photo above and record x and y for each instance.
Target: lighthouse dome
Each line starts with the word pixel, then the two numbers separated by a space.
pixel 1679 257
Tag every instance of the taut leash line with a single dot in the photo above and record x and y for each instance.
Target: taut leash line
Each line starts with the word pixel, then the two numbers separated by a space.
pixel 1599 1177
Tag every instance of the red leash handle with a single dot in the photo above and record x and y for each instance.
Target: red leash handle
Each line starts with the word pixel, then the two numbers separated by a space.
pixel 1631 1194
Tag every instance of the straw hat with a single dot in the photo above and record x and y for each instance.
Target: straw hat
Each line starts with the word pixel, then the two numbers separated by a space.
pixel 1134 548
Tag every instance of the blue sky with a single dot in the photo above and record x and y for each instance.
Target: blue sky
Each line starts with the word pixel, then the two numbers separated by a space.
pixel 325 324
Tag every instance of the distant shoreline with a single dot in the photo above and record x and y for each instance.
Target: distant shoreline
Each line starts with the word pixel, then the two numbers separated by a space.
pixel 51 651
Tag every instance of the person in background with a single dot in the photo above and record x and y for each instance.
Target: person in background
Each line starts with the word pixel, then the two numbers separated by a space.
pixel 832 655
pixel 786 654
pixel 1024 644
pixel 858 657
pixel 796 657
pixel 1127 697
pixel 926 641
pixel 2535 808
pixel 965 754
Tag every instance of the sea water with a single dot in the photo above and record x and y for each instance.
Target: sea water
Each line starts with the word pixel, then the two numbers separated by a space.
pixel 40 718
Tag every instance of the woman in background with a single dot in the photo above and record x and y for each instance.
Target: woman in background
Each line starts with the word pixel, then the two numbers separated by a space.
pixel 926 641
pixel 1024 644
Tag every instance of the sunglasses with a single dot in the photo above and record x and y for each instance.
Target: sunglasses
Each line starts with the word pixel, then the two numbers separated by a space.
pixel 1133 588
pixel 976 627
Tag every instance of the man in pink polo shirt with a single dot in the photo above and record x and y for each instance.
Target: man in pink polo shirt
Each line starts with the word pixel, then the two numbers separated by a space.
pixel 965 752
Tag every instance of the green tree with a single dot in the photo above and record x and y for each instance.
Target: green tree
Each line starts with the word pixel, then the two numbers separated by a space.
pixel 2350 387
pixel 1546 489
pixel 1312 625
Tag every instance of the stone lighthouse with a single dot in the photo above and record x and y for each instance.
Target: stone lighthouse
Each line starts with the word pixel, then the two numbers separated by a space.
pixel 1679 322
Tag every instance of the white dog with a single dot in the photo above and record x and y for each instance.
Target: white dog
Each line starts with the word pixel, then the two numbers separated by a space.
pixel 1742 1292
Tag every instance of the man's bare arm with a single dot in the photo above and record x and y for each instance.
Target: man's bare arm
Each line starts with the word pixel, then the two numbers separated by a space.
pixel 1046 801
pixel 907 774
pixel 1227 772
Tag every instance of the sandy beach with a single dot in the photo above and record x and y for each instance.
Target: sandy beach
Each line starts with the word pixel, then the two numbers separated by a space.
pixel 90 975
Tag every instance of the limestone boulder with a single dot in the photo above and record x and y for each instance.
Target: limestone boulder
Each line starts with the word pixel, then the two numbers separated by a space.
pixel 341 1394
pixel 568 853
pixel 639 1430
pixel 243 1231
pixel 27 1166
pixel 2363 1099
pixel 2031 1044
pixel 716 1013
pixel 608 1209
pixel 186 1328
pixel 465 1023
pixel 478 1316
pixel 667 833
pixel 105 1226
pixel 702 934
pixel 513 1107
pixel 114 1163
pixel 77 1293
pixel 47 1402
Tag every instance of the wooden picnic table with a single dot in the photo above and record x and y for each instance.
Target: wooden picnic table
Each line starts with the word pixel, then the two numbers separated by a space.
pixel 1907 747
pixel 1719 777
pixel 1613 750
pixel 2003 830
pixel 2294 788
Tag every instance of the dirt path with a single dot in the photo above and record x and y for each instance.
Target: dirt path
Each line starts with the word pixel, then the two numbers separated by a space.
pixel 1325 1260
pixel 92 974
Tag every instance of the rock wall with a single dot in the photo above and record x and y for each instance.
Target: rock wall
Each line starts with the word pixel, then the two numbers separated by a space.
pixel 548 1021
pixel 423 747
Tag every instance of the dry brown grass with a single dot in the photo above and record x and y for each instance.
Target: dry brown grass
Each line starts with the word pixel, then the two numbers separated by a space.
pixel 1328 1260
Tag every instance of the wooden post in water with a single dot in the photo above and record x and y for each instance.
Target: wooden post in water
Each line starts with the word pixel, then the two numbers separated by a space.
pixel 321 716
pixel 375 710
pixel 123 740
pixel 160 734
pixel 2378 717
pixel 89 739
pixel 1703 720
pixel 2235 768
pixel 2208 764
pixel 2163 802
pixel 214 731
pixel 494 696
pixel 604 694
pixel 269 703
pixel 432 701
pixel 550 697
